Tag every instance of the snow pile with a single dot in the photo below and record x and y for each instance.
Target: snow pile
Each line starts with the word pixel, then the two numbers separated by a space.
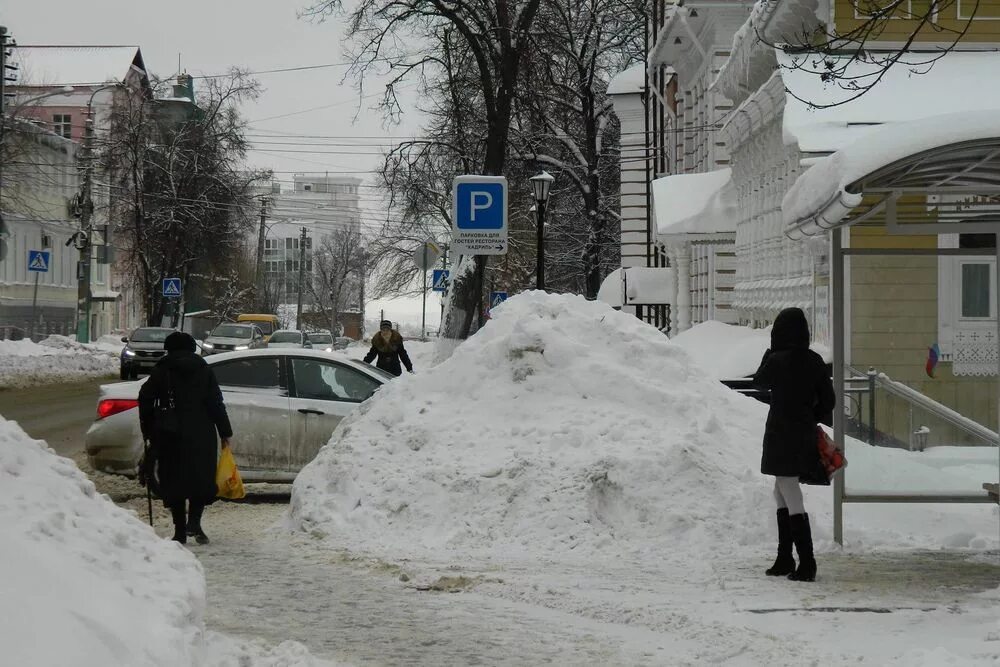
pixel 86 583
pixel 728 351
pixel 563 428
pixel 55 359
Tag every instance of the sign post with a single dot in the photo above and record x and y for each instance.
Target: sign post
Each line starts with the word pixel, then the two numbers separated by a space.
pixel 425 257
pixel 479 215
pixel 38 262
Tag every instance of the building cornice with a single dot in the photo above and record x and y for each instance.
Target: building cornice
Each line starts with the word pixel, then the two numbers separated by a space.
pixel 771 22
pixel 755 112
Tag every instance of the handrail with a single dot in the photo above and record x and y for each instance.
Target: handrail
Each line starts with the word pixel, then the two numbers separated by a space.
pixel 945 413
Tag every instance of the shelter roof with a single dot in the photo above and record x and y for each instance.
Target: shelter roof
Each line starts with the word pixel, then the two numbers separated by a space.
pixel 948 154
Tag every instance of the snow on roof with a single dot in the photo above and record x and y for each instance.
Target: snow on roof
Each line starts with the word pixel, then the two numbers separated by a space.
pixel 632 80
pixel 820 194
pixel 612 291
pixel 694 203
pixel 649 286
pixel 906 92
pixel 73 65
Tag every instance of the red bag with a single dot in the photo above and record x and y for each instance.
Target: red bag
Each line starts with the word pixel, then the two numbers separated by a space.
pixel 832 458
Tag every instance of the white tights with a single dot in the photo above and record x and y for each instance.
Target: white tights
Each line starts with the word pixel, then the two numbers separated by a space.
pixel 787 493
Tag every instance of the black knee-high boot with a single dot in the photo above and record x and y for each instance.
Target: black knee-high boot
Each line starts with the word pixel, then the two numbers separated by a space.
pixel 177 514
pixel 802 537
pixel 194 523
pixel 784 564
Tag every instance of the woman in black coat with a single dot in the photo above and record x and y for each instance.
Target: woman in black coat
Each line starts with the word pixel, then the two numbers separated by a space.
pixel 183 445
pixel 387 346
pixel 801 396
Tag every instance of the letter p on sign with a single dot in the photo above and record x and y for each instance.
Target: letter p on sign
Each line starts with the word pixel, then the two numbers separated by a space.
pixel 481 201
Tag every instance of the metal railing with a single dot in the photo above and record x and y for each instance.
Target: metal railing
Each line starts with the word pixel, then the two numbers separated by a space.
pixel 925 418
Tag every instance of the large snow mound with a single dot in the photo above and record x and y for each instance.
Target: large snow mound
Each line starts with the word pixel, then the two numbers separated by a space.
pixel 562 428
pixel 85 582
pixel 55 359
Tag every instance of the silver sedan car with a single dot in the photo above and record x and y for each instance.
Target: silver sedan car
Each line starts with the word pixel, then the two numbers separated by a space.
pixel 283 404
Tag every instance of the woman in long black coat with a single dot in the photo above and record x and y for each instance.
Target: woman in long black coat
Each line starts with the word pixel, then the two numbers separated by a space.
pixel 184 446
pixel 801 396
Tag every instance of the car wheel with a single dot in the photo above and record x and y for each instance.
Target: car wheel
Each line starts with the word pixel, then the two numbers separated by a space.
pixel 133 374
pixel 123 372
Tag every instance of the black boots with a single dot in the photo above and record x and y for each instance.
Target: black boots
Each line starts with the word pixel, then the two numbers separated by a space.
pixel 177 514
pixel 784 564
pixel 802 537
pixel 194 524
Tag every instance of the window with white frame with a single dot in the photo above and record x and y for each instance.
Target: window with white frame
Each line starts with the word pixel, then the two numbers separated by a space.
pixel 62 124
pixel 967 311
pixel 979 10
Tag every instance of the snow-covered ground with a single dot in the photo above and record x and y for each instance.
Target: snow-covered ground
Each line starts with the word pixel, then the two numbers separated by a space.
pixel 571 457
pixel 24 363
pixel 87 583
pixel 729 351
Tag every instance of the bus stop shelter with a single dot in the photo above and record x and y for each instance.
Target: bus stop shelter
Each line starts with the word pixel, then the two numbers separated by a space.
pixel 933 176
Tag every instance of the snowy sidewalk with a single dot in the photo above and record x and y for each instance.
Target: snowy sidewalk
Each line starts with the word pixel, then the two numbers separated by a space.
pixel 928 607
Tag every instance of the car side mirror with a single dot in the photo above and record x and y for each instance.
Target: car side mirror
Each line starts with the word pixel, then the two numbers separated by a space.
pixel 124 339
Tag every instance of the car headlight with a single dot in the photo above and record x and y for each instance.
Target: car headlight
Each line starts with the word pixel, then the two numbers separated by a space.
pixel 241 347
pixel 207 346
pixel 129 353
pixel 329 349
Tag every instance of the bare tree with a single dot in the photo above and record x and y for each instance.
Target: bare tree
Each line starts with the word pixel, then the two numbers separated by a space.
pixel 338 272
pixel 495 35
pixel 180 188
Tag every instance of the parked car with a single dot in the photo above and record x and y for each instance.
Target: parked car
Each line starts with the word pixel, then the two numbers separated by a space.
pixel 142 350
pixel 321 340
pixel 230 337
pixel 284 405
pixel 342 342
pixel 289 338
pixel 266 322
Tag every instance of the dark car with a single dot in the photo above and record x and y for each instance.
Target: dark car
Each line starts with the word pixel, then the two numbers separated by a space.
pixel 142 350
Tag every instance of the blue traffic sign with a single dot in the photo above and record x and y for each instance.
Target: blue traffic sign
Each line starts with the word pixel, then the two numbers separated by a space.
pixel 496 298
pixel 479 215
pixel 38 261
pixel 439 280
pixel 172 287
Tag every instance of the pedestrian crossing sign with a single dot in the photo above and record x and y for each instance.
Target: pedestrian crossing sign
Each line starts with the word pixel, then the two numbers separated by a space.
pixel 496 298
pixel 38 261
pixel 439 281
pixel 171 287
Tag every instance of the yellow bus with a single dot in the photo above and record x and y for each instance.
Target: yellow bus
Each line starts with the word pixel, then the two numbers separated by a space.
pixel 268 324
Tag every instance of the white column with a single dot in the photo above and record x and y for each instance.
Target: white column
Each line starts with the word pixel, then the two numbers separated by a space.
pixel 683 288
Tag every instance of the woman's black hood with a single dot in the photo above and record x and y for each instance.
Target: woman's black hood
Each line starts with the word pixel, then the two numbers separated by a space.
pixel 790 330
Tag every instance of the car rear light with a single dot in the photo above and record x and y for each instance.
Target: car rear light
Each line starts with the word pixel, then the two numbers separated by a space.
pixel 113 406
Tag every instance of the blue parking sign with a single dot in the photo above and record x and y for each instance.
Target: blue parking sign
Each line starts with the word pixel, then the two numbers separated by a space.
pixel 479 215
pixel 439 280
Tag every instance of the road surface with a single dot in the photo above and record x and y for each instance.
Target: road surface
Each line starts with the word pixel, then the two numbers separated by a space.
pixel 57 413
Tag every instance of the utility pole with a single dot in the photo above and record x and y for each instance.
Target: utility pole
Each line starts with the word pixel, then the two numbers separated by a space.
pixel 4 67
pixel 260 254
pixel 83 236
pixel 447 284
pixel 364 274
pixel 302 271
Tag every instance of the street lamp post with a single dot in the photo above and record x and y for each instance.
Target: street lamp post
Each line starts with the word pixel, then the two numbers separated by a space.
pixel 540 184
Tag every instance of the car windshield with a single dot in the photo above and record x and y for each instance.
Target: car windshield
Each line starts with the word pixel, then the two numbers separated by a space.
pixel 265 327
pixel 150 335
pixel 323 339
pixel 233 331
pixel 286 337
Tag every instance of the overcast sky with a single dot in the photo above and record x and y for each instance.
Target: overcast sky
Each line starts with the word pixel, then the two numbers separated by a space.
pixel 212 35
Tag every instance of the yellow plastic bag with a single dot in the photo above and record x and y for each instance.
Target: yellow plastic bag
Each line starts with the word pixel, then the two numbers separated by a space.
pixel 227 477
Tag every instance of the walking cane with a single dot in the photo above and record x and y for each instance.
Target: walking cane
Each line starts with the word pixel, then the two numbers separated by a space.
pixel 149 493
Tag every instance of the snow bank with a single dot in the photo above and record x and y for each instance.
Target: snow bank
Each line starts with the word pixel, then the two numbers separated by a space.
pixel 728 351
pixel 85 582
pixel 562 428
pixel 55 359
